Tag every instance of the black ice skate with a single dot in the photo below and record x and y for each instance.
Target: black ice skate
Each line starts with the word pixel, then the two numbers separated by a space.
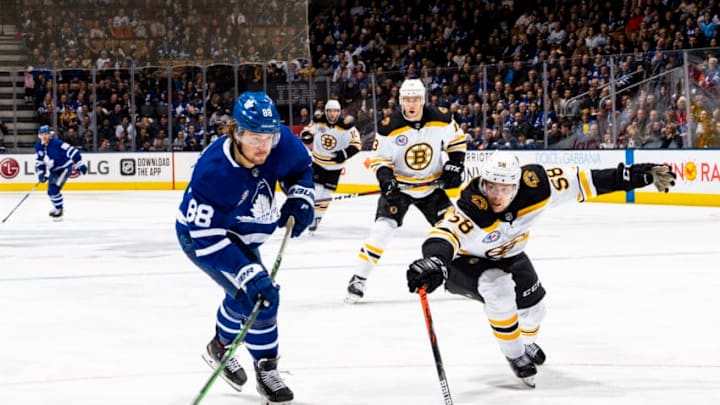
pixel 355 289
pixel 233 373
pixel 536 354
pixel 313 227
pixel 56 214
pixel 524 369
pixel 270 385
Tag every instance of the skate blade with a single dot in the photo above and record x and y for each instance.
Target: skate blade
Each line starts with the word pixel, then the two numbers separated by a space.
pixel 352 298
pixel 57 219
pixel 214 365
pixel 529 381
pixel 265 401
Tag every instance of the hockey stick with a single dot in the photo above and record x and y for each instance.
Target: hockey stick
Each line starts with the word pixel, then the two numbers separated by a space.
pixel 251 319
pixel 21 201
pixel 436 350
pixel 353 195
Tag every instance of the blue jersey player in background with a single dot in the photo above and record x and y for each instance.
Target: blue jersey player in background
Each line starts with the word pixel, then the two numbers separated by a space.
pixel 228 211
pixel 54 160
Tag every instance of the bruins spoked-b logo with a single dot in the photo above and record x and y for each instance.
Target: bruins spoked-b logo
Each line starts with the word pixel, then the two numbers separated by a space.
pixel 328 141
pixel 419 156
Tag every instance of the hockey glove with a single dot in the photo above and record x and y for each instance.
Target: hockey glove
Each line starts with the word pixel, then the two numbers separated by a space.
pixel 42 178
pixel 340 156
pixel 388 183
pixel 299 206
pixel 643 174
pixel 82 168
pixel 306 137
pixel 452 174
pixel 429 272
pixel 255 284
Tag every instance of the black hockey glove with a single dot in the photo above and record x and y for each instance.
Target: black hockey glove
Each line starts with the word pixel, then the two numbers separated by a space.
pixel 643 174
pixel 340 156
pixel 388 183
pixel 452 174
pixel 306 137
pixel 429 273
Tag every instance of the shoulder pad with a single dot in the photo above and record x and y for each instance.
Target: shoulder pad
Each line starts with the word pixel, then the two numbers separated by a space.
pixel 391 123
pixel 437 114
pixel 534 186
pixel 475 205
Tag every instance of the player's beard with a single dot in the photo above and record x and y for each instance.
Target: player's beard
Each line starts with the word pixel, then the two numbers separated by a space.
pixel 251 156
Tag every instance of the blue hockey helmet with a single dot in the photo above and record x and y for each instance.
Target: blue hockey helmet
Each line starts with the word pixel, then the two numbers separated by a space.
pixel 45 129
pixel 256 112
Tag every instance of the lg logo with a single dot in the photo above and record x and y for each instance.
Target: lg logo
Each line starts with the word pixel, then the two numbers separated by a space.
pixel 9 168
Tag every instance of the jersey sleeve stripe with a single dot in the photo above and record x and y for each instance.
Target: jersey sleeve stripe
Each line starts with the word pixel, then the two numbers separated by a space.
pixel 204 233
pixel 586 187
pixel 216 247
pixel 533 208
pixel 399 131
pixel 446 236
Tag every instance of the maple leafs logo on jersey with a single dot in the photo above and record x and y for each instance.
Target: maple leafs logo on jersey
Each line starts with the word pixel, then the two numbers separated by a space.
pixel 263 208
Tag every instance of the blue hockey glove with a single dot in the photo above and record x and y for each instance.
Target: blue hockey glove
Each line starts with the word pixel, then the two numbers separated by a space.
pixel 255 284
pixel 82 168
pixel 452 174
pixel 429 272
pixel 299 206
pixel 42 178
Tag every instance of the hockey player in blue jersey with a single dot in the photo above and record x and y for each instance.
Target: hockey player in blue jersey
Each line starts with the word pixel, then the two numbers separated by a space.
pixel 228 211
pixel 54 161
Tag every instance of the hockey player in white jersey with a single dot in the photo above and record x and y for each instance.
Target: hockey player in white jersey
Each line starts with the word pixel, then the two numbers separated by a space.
pixel 409 164
pixel 478 248
pixel 334 140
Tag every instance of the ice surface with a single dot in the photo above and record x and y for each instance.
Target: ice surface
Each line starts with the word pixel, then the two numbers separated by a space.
pixel 103 308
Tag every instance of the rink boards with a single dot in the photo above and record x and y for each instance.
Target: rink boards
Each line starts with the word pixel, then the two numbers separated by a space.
pixel 697 169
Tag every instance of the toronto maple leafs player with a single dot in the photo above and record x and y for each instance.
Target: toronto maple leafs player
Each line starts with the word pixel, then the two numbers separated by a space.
pixel 228 211
pixel 478 248
pixel 54 161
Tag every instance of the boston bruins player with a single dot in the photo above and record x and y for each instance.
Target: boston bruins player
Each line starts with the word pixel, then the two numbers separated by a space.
pixel 409 164
pixel 334 140
pixel 477 250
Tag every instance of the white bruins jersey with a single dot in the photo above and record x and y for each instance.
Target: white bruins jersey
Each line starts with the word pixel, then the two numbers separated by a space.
pixel 473 229
pixel 413 150
pixel 329 138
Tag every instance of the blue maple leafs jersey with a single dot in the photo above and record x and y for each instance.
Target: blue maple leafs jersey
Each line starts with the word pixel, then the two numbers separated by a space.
pixel 223 195
pixel 57 155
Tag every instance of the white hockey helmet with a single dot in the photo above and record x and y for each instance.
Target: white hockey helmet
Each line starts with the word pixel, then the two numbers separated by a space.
pixel 503 168
pixel 412 87
pixel 332 105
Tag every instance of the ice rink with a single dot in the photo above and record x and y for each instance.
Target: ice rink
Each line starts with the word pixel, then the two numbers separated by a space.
pixel 103 308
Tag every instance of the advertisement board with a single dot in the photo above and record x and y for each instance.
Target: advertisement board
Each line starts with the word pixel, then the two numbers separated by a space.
pixel 697 169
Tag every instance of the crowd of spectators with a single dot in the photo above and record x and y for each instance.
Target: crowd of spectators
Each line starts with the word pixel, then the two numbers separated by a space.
pixel 482 60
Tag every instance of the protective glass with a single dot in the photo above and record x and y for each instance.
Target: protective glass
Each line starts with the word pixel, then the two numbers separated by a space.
pixel 255 139
pixel 498 189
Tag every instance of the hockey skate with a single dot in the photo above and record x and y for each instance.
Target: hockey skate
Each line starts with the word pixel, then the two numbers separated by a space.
pixel 233 373
pixel 56 214
pixel 535 353
pixel 270 385
pixel 524 369
pixel 355 289
pixel 313 227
